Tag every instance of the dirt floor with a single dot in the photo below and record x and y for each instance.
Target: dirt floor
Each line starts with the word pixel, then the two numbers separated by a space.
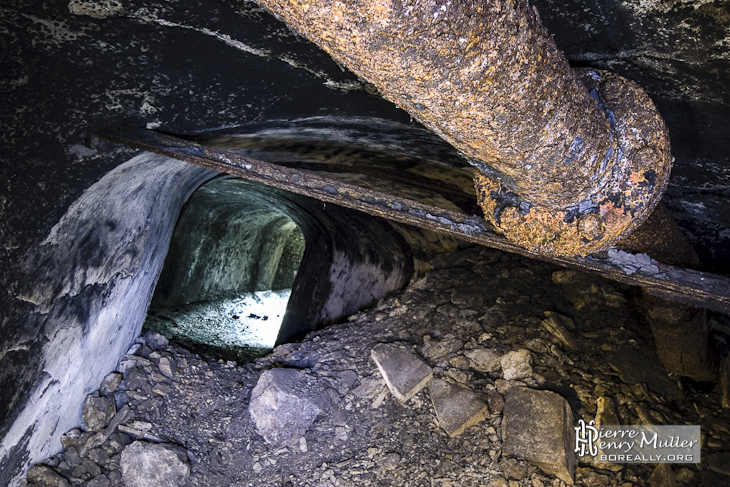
pixel 473 300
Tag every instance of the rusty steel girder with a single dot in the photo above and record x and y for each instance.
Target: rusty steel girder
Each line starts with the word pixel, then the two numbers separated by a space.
pixel 567 161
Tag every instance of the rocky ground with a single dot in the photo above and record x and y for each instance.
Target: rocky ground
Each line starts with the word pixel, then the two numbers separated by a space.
pixel 483 320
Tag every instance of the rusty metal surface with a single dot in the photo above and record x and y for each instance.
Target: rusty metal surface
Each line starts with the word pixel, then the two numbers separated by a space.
pixel 568 161
pixel 693 287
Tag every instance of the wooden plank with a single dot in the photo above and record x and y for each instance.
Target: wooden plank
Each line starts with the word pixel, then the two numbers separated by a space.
pixel 700 289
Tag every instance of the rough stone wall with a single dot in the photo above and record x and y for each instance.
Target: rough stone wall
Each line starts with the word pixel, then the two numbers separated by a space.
pixel 226 244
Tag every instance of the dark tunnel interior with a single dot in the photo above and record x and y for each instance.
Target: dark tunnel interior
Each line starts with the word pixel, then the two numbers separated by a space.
pixel 228 273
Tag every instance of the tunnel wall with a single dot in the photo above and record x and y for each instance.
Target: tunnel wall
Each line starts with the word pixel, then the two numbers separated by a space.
pixel 350 260
pixel 86 296
pixel 226 243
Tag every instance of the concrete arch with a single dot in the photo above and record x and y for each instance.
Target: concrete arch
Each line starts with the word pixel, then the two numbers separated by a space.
pixel 92 280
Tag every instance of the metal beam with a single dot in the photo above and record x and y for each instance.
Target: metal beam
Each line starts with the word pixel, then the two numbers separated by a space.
pixel 689 286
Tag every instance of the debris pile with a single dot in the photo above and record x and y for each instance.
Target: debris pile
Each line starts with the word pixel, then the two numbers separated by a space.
pixel 473 376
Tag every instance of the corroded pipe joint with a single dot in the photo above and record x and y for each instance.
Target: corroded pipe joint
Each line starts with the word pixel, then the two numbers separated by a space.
pixel 566 162
pixel 627 187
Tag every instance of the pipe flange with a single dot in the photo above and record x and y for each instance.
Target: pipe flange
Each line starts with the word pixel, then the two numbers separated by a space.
pixel 627 187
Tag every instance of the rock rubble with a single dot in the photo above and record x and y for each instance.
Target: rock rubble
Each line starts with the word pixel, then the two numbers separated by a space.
pixel 476 321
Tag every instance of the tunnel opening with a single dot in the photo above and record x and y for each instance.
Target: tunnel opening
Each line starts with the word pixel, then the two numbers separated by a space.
pixel 228 274
pixel 100 271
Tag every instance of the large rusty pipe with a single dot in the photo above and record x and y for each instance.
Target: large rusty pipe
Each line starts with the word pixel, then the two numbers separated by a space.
pixel 567 161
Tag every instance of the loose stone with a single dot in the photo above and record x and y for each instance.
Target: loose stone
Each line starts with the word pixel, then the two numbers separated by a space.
pixel 154 465
pixel 516 365
pixel 404 372
pixel 285 403
pixel 456 408
pixel 97 412
pixel 538 427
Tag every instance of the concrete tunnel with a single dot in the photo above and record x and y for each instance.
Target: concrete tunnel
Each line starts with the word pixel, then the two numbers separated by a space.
pixel 97 272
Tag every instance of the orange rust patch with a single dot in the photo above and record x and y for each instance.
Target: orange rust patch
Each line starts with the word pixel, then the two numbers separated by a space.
pixel 637 178
pixel 614 217
pixel 551 220
pixel 489 79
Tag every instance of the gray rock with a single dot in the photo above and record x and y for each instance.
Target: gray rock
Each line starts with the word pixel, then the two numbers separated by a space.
pixel 155 341
pixel 517 365
pixel 434 349
pixel 99 438
pixel 91 468
pixel 168 367
pixel 403 371
pixel 137 380
pixel 285 403
pixel 484 359
pixel 97 412
pixel 110 383
pixel 75 437
pixel 72 457
pixel 99 481
pixel 146 464
pixel 346 379
pixel 98 456
pixel 370 387
pixel 559 325
pixel 43 476
pixel 456 408
pixel 538 427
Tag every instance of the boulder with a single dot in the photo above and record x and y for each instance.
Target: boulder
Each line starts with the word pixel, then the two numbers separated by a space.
pixel 285 403
pixel 146 464
pixel 538 427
